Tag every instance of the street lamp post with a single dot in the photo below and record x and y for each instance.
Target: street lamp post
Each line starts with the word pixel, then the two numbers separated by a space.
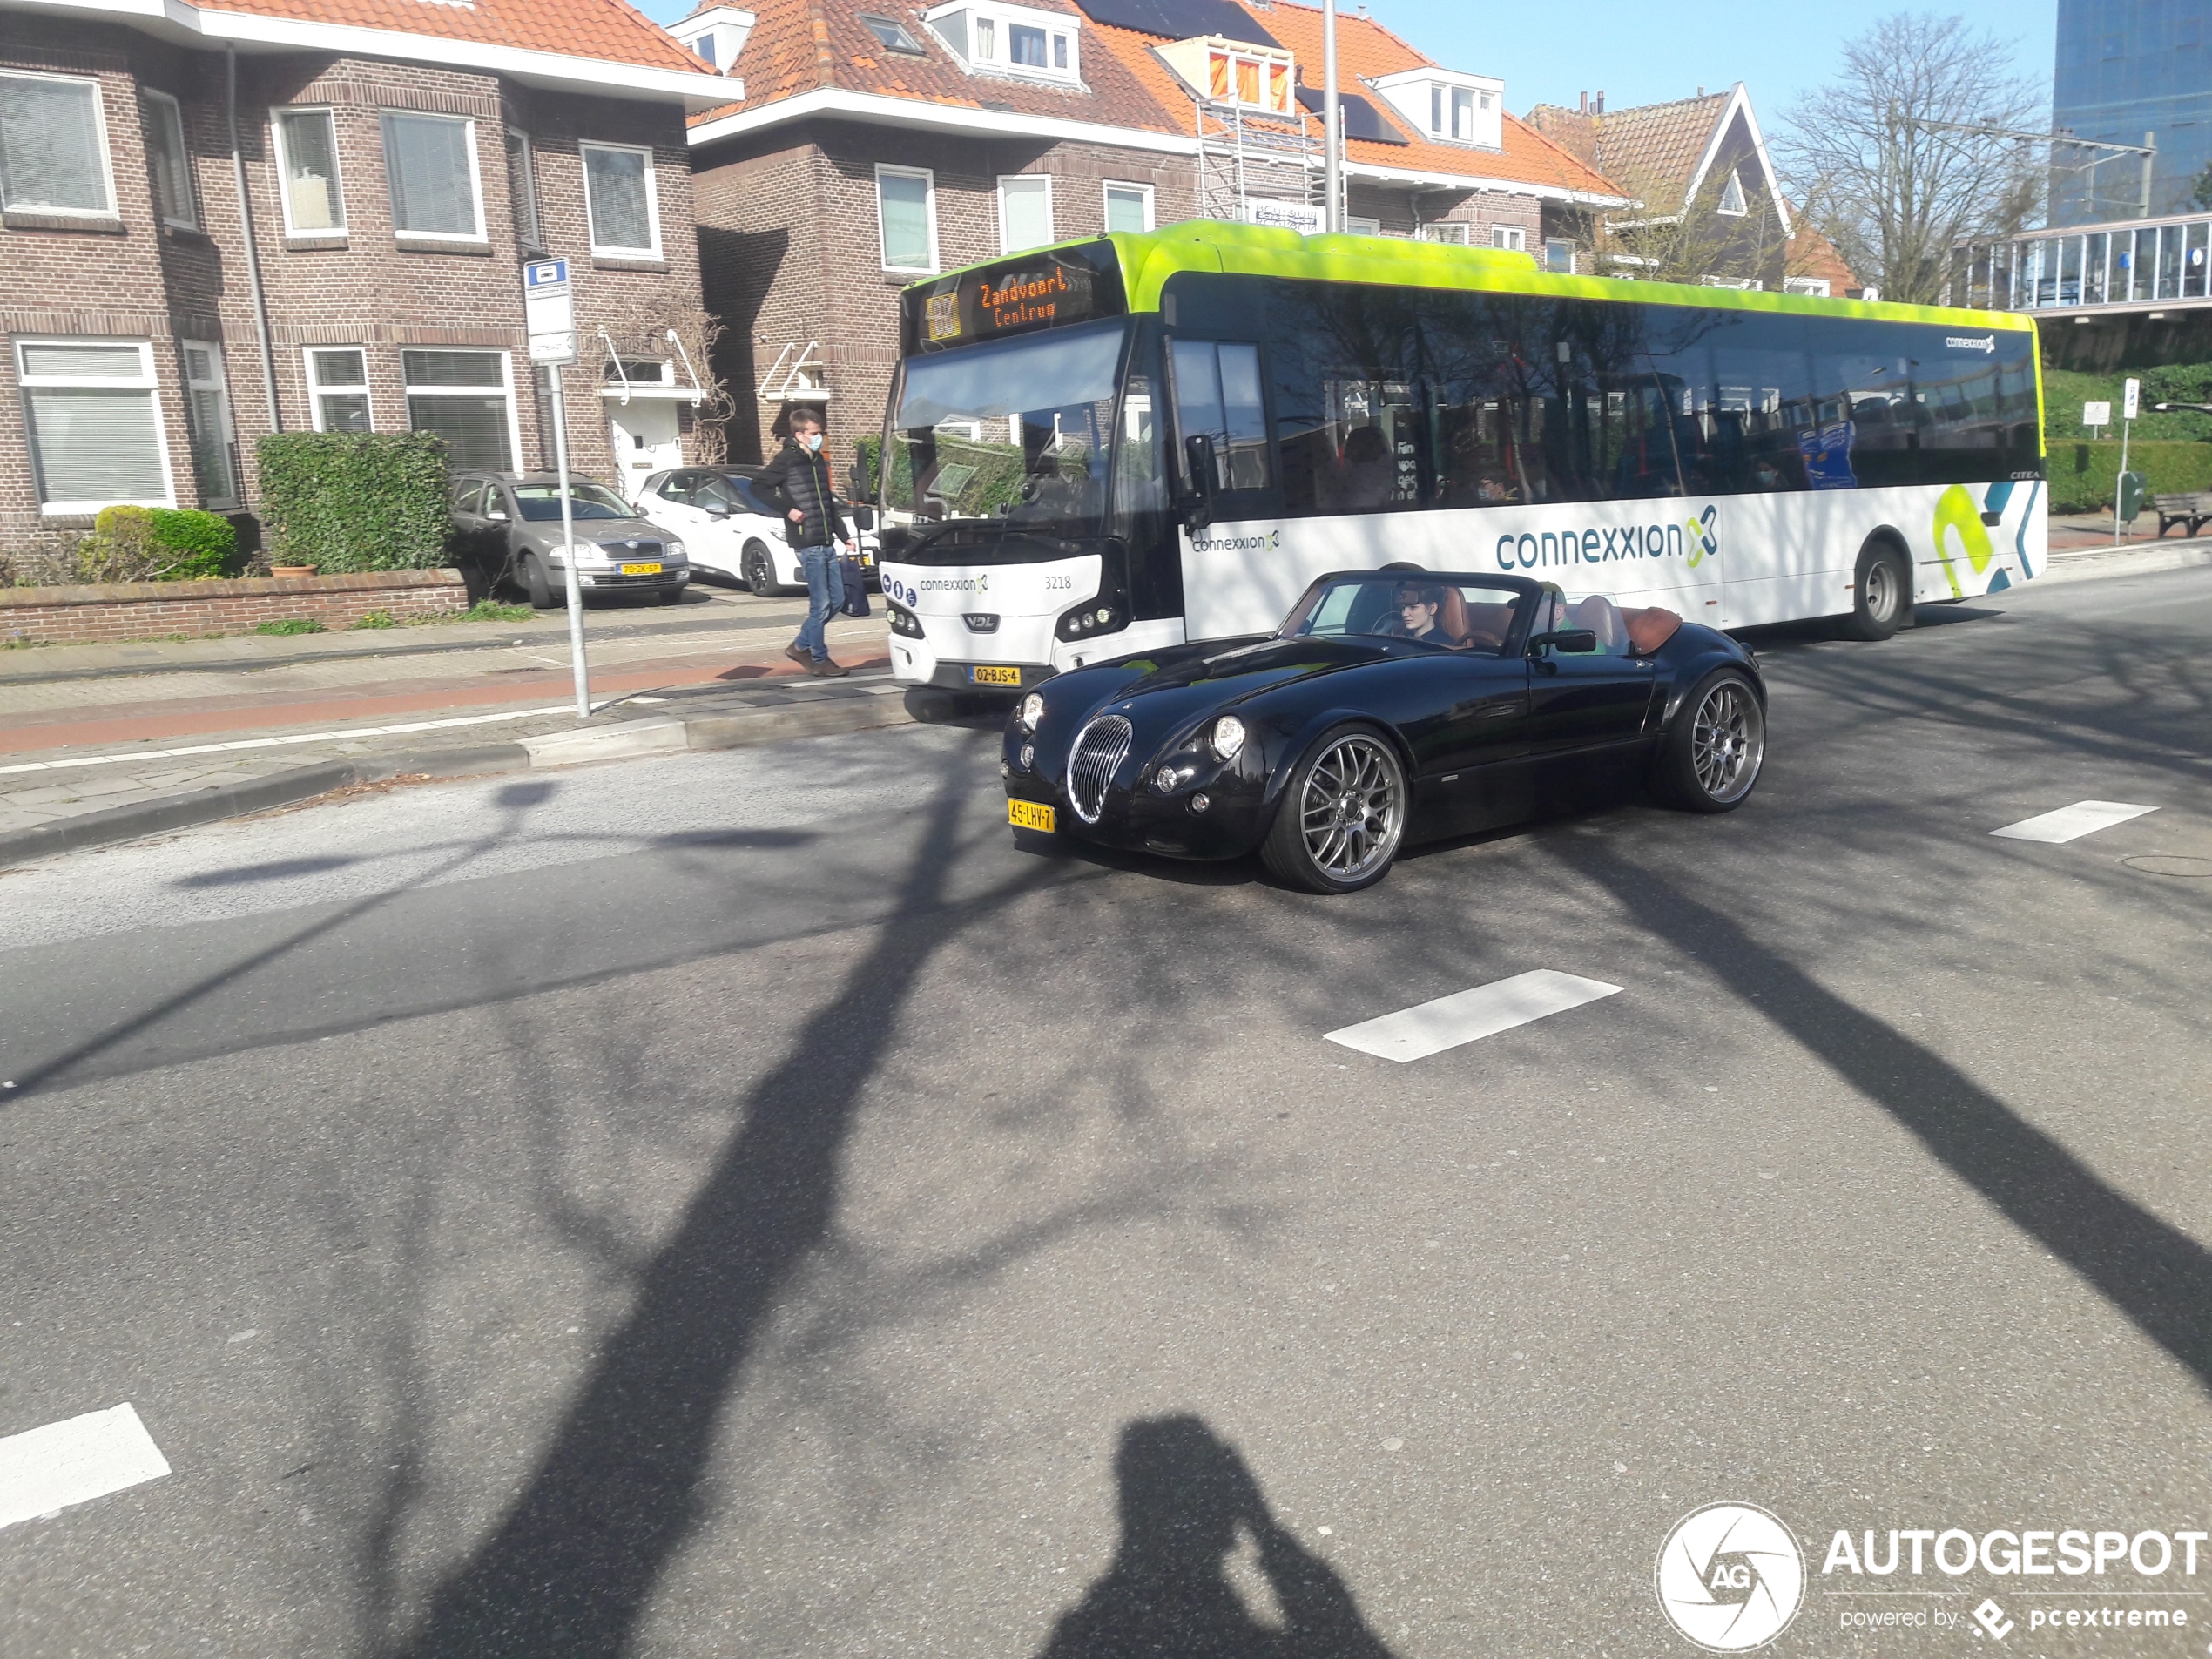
pixel 1331 119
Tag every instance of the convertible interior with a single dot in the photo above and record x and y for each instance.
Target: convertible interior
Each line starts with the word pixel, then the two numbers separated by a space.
pixel 1483 625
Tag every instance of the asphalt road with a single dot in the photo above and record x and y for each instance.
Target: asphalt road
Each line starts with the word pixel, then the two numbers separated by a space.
pixel 739 1203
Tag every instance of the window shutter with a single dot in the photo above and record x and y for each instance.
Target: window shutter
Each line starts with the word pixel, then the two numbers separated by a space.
pixel 96 445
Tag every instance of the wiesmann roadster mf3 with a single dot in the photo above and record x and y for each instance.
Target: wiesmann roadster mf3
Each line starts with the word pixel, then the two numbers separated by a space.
pixel 1390 707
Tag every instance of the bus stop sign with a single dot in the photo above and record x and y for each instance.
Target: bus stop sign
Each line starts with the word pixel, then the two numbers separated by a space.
pixel 548 314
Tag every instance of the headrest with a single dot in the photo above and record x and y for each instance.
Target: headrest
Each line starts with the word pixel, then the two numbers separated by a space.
pixel 1649 629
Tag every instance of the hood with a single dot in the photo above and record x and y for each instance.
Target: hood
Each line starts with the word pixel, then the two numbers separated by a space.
pixel 1243 670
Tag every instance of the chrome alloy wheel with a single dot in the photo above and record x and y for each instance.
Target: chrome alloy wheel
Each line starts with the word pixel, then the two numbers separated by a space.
pixel 1728 741
pixel 1352 809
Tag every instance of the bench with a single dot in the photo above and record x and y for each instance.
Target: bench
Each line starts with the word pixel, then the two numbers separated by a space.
pixel 2192 510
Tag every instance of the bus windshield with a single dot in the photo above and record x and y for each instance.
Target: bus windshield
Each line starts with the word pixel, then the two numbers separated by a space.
pixel 1018 432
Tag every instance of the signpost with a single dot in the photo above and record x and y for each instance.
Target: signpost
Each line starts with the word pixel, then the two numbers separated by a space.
pixel 2094 415
pixel 548 315
pixel 2131 401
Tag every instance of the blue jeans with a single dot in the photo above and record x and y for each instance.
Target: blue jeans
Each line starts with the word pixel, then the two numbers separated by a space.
pixel 825 597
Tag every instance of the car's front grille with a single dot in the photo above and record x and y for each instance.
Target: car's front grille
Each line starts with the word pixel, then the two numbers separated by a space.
pixel 643 549
pixel 1100 749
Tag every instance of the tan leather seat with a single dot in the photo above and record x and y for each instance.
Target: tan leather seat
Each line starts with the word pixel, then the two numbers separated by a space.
pixel 1649 629
pixel 1602 617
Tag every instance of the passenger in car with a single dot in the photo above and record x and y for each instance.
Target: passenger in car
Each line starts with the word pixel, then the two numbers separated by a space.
pixel 1599 615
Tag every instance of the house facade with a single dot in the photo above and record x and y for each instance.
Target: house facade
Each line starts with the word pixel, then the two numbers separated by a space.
pixel 302 216
pixel 1708 207
pixel 879 143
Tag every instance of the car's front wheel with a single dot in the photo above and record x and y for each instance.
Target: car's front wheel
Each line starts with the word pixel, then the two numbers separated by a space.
pixel 539 585
pixel 759 570
pixel 1342 817
pixel 1714 748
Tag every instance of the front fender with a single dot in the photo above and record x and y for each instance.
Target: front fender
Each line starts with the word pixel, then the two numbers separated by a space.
pixel 1693 670
pixel 1292 743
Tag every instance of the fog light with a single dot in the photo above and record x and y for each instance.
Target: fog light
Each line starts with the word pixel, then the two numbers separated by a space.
pixel 586 579
pixel 1028 757
pixel 1165 779
pixel 1005 770
pixel 1199 802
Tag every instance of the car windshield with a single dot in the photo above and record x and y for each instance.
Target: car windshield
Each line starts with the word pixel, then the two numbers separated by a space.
pixel 541 503
pixel 1018 432
pixel 1450 613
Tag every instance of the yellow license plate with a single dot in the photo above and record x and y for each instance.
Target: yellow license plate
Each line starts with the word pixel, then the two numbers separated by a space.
pixel 641 570
pixel 984 676
pixel 1029 814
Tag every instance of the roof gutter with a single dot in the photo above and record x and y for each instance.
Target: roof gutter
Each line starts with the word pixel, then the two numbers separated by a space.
pixel 934 118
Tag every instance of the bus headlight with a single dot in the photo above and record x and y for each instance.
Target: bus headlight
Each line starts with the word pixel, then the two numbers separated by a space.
pixel 1092 618
pixel 1228 737
pixel 904 621
pixel 1031 711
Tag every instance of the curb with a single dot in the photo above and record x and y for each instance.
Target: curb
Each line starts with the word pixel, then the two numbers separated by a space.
pixel 2107 563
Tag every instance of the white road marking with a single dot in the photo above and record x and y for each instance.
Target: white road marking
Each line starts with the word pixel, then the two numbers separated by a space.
pixel 2071 823
pixel 74 1461
pixel 1466 1017
pixel 275 743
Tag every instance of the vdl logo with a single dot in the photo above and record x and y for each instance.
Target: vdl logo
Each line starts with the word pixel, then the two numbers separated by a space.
pixel 1731 1577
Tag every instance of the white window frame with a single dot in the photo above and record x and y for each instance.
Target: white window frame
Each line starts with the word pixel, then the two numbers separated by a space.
pixel 600 250
pixel 284 165
pixel 163 101
pixel 107 149
pixel 459 238
pixel 1552 242
pixel 1005 249
pixel 1361 225
pixel 1106 197
pixel 316 388
pixel 220 386
pixel 535 240
pixel 1818 288
pixel 507 389
pixel 147 382
pixel 1055 26
pixel 928 177
pixel 1734 185
pixel 1513 238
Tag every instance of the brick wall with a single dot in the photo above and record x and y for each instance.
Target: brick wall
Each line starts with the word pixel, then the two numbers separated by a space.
pixel 150 610
pixel 365 286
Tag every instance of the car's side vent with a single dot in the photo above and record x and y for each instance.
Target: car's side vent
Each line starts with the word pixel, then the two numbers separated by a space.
pixel 1100 749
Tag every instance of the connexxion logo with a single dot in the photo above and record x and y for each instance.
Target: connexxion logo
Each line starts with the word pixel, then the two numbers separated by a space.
pixel 1693 541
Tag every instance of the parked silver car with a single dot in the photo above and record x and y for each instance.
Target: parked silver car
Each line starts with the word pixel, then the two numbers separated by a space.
pixel 509 525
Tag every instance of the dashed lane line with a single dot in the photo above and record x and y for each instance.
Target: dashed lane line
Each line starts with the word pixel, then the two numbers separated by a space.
pixel 2071 823
pixel 48 1469
pixel 1467 1016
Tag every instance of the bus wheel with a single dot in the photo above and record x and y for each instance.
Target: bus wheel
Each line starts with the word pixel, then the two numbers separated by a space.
pixel 1342 818
pixel 1881 593
pixel 1712 753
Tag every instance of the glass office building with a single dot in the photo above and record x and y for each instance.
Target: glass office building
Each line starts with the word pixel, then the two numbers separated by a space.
pixel 2125 68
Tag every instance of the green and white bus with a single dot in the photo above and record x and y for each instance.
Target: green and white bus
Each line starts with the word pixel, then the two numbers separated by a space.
pixel 1111 446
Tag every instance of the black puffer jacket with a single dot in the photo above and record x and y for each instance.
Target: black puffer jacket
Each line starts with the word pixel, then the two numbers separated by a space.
pixel 797 479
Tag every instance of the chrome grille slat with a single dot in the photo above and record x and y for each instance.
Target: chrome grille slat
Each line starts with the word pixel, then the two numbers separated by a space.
pixel 1100 749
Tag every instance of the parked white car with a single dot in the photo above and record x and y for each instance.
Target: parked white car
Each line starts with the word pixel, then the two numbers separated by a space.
pixel 730 531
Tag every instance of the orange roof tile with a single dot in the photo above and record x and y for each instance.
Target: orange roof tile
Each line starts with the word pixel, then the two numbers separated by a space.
pixel 1649 146
pixel 607 31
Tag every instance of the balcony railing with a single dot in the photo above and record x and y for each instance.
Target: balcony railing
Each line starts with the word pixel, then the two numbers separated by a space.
pixel 2135 263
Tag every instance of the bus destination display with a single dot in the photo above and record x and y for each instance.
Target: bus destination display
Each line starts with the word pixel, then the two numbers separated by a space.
pixel 1044 290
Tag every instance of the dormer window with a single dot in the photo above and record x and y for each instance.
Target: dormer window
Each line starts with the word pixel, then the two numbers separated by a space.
pixel 891 34
pixel 1451 112
pixel 991 37
pixel 1447 106
pixel 715 35
pixel 1732 196
pixel 1235 72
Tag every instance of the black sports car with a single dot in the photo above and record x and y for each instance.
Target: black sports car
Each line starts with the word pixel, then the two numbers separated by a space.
pixel 1390 706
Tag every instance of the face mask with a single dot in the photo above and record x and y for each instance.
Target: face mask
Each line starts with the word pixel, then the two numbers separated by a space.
pixel 812 442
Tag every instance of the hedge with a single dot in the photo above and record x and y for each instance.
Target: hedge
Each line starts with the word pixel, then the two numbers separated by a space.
pixel 2065 392
pixel 201 543
pixel 355 501
pixel 2083 474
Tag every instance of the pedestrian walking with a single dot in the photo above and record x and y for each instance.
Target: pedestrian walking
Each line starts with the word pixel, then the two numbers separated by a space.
pixel 797 483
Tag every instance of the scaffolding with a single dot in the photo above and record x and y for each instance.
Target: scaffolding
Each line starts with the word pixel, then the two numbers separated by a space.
pixel 1245 157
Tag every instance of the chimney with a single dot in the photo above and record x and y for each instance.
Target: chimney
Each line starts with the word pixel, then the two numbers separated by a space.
pixel 1601 103
pixel 1585 103
pixel 1701 91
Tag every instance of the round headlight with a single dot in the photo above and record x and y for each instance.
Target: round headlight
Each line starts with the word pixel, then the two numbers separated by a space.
pixel 1165 780
pixel 1105 617
pixel 1032 710
pixel 1228 736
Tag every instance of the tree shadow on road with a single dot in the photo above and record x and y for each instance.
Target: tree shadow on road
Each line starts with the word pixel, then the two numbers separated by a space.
pixel 1188 1504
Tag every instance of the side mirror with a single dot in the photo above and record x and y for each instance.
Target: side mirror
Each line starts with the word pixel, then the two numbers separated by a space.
pixel 864 518
pixel 1565 639
pixel 863 479
pixel 716 510
pixel 1198 462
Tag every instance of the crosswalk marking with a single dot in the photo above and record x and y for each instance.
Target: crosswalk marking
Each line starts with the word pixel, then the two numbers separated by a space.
pixel 74 1461
pixel 1466 1017
pixel 2071 823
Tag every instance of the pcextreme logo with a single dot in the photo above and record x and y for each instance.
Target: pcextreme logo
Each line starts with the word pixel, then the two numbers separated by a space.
pixel 1731 1577
pixel 1693 541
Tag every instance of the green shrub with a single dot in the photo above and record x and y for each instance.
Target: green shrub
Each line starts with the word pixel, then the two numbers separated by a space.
pixel 492 610
pixel 355 501
pixel 198 545
pixel 2083 476
pixel 2065 392
pixel 155 544
pixel 290 625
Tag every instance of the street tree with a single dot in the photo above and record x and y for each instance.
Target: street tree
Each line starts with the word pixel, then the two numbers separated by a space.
pixel 1885 159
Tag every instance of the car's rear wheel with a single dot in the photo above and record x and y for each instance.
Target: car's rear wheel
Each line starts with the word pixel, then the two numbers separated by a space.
pixel 537 582
pixel 1881 593
pixel 760 571
pixel 1714 751
pixel 1342 816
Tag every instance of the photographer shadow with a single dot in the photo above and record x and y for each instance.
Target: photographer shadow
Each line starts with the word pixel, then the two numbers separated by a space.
pixel 1188 1508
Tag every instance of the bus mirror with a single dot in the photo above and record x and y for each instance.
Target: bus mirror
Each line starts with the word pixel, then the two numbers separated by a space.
pixel 863 479
pixel 1198 462
pixel 863 518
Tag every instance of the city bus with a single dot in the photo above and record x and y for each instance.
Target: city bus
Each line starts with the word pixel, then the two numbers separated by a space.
pixel 1115 445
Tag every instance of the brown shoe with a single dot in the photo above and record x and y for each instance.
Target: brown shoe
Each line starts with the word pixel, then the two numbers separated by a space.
pixel 822 668
pixel 798 653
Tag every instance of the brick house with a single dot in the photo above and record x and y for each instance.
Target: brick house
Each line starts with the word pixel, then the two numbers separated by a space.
pixel 880 140
pixel 1709 205
pixel 299 214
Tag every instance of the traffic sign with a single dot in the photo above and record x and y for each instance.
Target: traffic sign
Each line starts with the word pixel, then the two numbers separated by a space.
pixel 549 314
pixel 2096 415
pixel 2134 389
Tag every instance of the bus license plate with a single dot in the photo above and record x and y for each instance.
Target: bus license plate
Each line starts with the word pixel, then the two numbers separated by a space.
pixel 983 675
pixel 641 570
pixel 1029 814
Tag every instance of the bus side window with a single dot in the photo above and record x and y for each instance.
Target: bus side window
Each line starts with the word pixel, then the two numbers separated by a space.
pixel 1218 393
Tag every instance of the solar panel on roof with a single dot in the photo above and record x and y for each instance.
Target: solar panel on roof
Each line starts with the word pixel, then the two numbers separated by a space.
pixel 1179 19
pixel 1361 118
